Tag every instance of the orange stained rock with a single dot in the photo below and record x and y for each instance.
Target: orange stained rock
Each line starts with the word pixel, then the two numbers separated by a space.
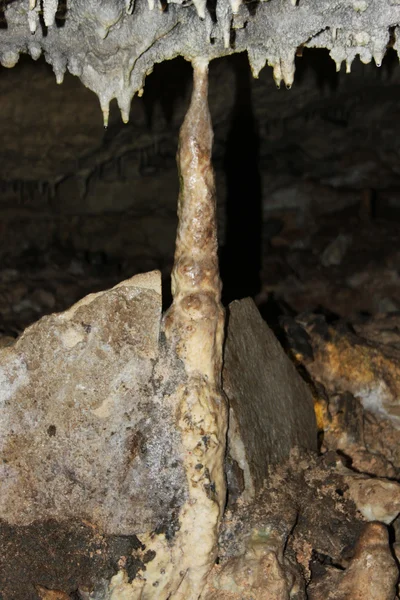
pixel 345 362
pixel 45 594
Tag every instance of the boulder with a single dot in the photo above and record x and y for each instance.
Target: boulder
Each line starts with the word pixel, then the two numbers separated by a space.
pixel 91 453
pixel 271 407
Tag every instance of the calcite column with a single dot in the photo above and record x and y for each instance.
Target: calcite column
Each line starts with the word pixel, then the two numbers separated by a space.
pixel 194 330
pixel 194 327
pixel 195 321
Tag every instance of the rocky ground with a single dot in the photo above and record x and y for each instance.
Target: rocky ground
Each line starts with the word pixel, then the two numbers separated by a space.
pixel 326 526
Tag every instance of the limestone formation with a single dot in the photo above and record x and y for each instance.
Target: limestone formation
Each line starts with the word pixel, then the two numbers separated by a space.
pixel 377 499
pixel 112 45
pixel 345 362
pixel 113 419
pixel 356 377
pixel 290 534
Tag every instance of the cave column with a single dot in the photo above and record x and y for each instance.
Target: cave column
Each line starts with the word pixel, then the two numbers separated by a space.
pixel 194 326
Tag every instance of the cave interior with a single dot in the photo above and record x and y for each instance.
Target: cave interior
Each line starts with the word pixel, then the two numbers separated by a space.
pixel 304 98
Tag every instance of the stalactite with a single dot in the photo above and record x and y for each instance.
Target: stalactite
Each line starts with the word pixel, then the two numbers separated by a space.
pixel 200 7
pixel 134 36
pixel 49 12
pixel 129 6
pixel 224 17
pixel 33 20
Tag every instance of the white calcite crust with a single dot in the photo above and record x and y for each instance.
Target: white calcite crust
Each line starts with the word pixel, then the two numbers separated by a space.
pixel 112 45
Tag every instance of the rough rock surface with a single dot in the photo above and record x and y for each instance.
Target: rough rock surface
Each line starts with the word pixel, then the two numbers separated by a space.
pixel 76 393
pixel 355 373
pixel 271 408
pixel 303 533
pixel 88 427
pixel 92 456
pixel 372 572
pixel 113 45
pixel 297 531
pixel 346 362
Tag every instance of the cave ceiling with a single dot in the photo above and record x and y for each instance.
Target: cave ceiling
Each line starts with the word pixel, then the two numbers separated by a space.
pixel 112 45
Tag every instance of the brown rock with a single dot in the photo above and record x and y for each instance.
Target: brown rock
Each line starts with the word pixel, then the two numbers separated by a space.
pixel 46 594
pixel 343 361
pixel 271 408
pixel 371 575
pixel 376 498
pixel 357 387
pixel 268 547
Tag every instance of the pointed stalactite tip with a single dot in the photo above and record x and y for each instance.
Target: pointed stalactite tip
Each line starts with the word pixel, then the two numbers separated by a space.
pixel 106 113
pixel 200 6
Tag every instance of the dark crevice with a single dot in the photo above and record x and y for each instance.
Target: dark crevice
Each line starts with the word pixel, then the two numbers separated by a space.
pixel 241 255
